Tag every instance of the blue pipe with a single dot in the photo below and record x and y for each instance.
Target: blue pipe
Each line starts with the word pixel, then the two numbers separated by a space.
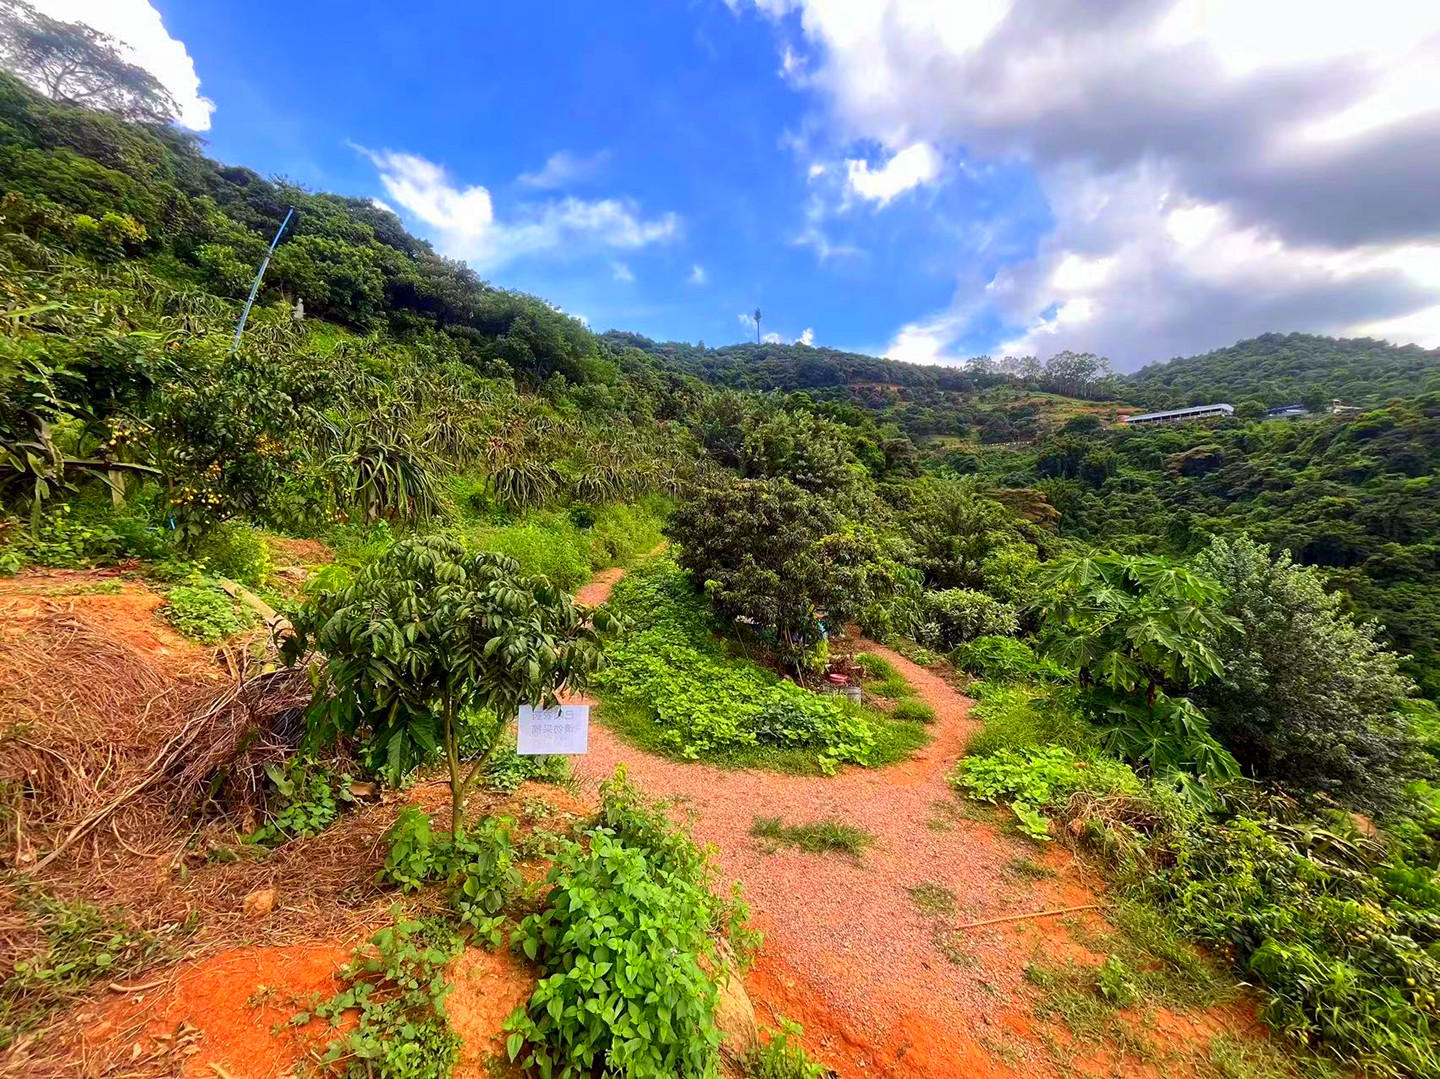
pixel 255 288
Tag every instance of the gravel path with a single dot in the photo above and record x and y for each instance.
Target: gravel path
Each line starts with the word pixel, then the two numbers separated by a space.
pixel 882 987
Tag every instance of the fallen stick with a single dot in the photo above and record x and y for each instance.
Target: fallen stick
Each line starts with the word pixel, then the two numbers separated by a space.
pixel 135 988
pixel 1035 914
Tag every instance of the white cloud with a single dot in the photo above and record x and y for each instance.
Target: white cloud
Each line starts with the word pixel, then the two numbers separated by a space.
pixel 806 338
pixel 909 168
pixel 928 341
pixel 621 272
pixel 772 339
pixel 381 204
pixel 562 168
pixel 462 222
pixel 150 46
pixel 698 276
pixel 1214 167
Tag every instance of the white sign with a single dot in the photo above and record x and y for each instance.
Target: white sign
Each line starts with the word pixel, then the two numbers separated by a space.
pixel 564 729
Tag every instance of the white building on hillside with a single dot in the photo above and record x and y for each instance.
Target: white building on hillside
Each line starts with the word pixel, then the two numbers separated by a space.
pixel 1181 415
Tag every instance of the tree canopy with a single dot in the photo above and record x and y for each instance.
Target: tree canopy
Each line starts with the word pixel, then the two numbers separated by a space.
pixel 76 64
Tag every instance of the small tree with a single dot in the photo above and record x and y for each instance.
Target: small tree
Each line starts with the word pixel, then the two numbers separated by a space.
pixel 427 639
pixel 1309 696
pixel 1133 627
pixel 781 558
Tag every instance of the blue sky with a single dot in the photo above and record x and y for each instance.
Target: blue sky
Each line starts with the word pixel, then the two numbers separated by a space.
pixel 679 109
pixel 921 178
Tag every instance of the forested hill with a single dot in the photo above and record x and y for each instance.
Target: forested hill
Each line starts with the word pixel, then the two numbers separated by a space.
pixel 993 400
pixel 799 367
pixel 145 194
pixel 1280 369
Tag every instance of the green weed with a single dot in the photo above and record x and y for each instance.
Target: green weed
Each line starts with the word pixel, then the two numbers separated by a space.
pixel 1026 867
pixel 933 900
pixel 913 711
pixel 636 999
pixel 673 687
pixel 817 837
pixel 204 613
pixel 306 800
pixel 396 991
pixel 82 946
pixel 782 1056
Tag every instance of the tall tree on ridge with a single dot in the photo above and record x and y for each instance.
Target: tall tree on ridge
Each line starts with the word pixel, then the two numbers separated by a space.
pixel 75 63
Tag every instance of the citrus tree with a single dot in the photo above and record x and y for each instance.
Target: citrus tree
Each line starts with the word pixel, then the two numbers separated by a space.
pixel 428 643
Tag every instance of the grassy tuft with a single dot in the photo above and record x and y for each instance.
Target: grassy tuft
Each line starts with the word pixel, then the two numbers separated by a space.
pixel 817 837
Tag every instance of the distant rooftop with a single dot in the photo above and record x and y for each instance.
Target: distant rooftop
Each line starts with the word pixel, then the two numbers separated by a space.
pixel 1194 411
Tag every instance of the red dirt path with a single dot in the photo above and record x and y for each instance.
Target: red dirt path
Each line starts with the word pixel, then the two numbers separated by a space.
pixel 880 987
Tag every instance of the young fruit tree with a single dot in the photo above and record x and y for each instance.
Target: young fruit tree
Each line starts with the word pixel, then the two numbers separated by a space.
pixel 432 647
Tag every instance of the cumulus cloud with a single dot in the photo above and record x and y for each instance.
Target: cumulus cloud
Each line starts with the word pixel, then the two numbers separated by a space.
pixel 461 220
pixel 909 168
pixel 1302 137
pixel 148 45
pixel 806 338
pixel 698 276
pixel 562 169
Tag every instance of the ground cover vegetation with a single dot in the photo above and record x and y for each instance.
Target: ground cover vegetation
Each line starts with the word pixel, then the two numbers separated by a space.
pixel 1219 721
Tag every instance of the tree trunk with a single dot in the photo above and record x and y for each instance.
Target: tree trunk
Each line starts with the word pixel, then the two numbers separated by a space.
pixel 457 788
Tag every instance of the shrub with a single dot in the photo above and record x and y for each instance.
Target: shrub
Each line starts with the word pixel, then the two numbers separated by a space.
pixel 429 645
pixel 204 613
pixel 83 532
pixel 623 943
pixel 1005 659
pixel 236 551
pixel 956 615
pixel 1308 696
pixel 1342 941
pixel 913 711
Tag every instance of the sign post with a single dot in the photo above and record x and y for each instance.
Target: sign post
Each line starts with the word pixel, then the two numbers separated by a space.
pixel 563 730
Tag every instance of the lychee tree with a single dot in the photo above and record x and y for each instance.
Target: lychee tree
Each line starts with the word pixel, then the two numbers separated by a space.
pixel 429 639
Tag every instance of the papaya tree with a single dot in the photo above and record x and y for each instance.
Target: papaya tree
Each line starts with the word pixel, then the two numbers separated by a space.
pixel 1140 631
pixel 430 642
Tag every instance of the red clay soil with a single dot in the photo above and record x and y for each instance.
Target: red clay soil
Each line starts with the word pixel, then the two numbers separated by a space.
pixel 298 552
pixel 128 615
pixel 881 988
pixel 227 1015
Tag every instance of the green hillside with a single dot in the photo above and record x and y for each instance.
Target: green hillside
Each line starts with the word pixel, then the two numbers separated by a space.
pixel 1281 369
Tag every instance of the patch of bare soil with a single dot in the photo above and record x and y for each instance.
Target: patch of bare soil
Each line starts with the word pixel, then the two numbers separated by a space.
pixel 125 611
pixel 298 552
pixel 228 1014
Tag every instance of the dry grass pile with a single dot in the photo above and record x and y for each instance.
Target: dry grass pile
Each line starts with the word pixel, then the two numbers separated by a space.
pixel 98 735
